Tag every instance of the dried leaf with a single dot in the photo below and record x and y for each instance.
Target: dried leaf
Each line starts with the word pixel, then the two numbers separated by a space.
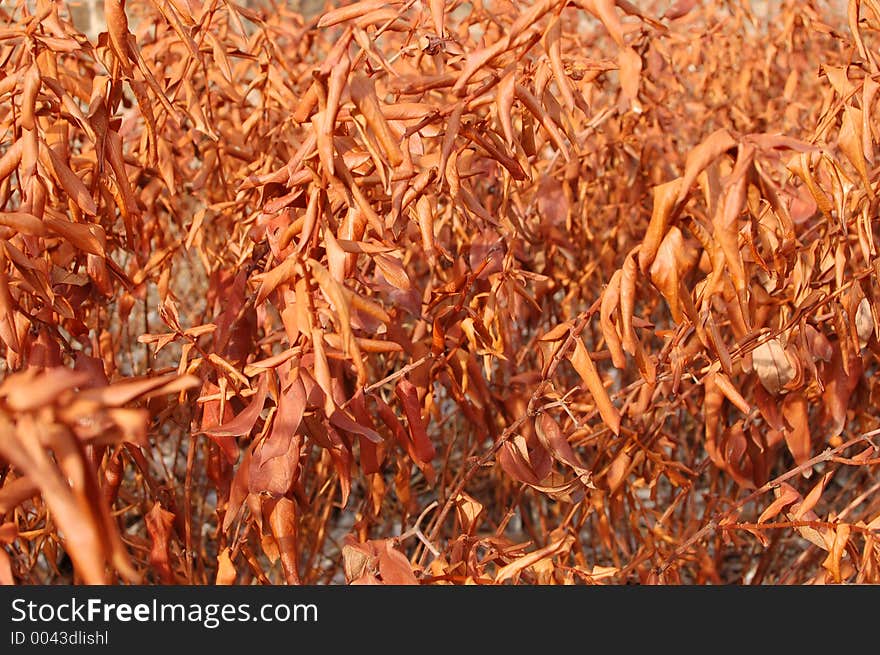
pixel 408 395
pixel 665 199
pixel 667 269
pixel 797 432
pixel 772 365
pixel 698 159
pixel 245 421
pixel 561 543
pixel 583 364
pixel 159 526
pixel 785 496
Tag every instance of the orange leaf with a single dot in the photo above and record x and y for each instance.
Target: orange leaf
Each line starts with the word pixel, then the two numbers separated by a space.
pixel 506 572
pixel 282 522
pixel 226 573
pixel 811 498
pixel 851 142
pixel 394 567
pixel 585 367
pixel 608 308
pixel 159 525
pixel 732 393
pixel 797 432
pixel 87 237
pixel 630 70
pixel 551 437
pixel 393 270
pixel 698 159
pixel 245 421
pixel 772 365
pixel 408 395
pixel 664 203
pixel 667 269
pixel 350 12
pixel 785 496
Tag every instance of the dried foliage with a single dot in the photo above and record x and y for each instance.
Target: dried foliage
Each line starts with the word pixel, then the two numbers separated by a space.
pixel 567 291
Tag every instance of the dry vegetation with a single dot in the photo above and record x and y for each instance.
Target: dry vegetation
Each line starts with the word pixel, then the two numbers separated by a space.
pixel 430 291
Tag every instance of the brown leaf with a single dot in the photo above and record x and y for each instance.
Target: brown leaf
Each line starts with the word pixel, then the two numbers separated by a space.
pixel 342 303
pixel 70 508
pixel 159 526
pixel 562 543
pixel 280 274
pixel 357 559
pixel 551 437
pixel 31 390
pixel 665 197
pixel 772 365
pixel 797 432
pixel 837 550
pixel 583 364
pixel 515 462
pixel 469 512
pixel 785 496
pixel 341 420
pixel 24 222
pixel 275 462
pixel 71 183
pixel 726 219
pixel 864 322
pixel 245 421
pixel 839 387
pixel 604 10
pixel 283 523
pixel 504 98
pixel 394 568
pixel 226 572
pixel 732 393
pixel 667 270
pixel 812 498
pixel 698 159
pixel 363 93
pixel 393 271
pixel 11 158
pixel 8 331
pixel 534 106
pixel 608 310
pixel 629 274
pixel 13 493
pixel 124 392
pixel 553 37
pixel 408 395
pixel 617 471
pixel 352 11
pixel 87 237
pixel 679 9
pixel 850 141
pixel 630 71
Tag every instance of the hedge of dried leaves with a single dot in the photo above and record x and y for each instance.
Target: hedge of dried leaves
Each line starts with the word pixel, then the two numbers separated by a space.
pixel 567 291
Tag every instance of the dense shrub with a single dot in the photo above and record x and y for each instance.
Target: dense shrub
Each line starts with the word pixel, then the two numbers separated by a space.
pixel 567 291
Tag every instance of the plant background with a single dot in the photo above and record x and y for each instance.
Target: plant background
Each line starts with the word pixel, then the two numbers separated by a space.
pixel 439 292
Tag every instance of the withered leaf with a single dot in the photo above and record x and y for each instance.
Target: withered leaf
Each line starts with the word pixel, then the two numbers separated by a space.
pixel 772 365
pixel 715 145
pixel 667 268
pixel 245 421
pixel 408 395
pixel 583 364
pixel 159 525
pixel 797 431
pixel 561 543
